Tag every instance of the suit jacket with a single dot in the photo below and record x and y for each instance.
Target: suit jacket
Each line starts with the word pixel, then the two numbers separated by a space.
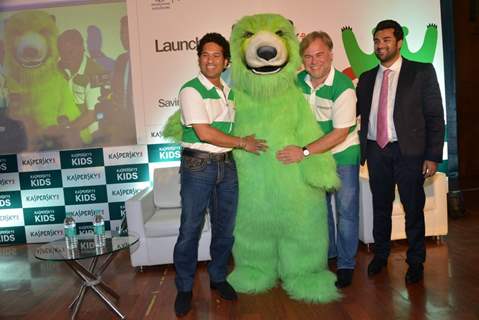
pixel 418 112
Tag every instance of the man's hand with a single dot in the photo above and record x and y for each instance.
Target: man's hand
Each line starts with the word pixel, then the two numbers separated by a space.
pixel 429 168
pixel 253 145
pixel 290 154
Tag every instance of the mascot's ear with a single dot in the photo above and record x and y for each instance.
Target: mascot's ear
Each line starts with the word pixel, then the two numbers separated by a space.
pixel 291 21
pixel 233 26
pixel 53 18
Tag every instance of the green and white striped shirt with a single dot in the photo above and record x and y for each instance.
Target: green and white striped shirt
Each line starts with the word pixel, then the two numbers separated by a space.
pixel 201 102
pixel 334 105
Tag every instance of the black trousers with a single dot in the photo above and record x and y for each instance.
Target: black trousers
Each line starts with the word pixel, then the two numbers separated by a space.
pixel 388 168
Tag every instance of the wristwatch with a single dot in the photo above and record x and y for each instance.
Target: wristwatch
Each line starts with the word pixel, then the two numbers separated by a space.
pixel 306 152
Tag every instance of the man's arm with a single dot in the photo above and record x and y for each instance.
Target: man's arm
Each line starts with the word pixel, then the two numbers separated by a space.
pixel 292 154
pixel 214 136
pixel 344 117
pixel 434 121
pixel 433 115
pixel 193 114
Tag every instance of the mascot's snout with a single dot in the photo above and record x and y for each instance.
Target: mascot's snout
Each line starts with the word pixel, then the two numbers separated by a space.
pixel 266 53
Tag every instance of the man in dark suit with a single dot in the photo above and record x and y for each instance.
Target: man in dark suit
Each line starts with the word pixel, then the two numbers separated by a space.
pixel 402 138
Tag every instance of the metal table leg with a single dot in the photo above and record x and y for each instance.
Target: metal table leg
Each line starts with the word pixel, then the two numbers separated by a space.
pixel 92 280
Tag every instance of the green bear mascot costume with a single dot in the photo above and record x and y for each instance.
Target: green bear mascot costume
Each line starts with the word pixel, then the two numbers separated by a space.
pixel 281 229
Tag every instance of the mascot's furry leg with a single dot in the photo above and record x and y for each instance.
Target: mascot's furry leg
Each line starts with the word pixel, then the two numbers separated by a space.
pixel 255 269
pixel 303 257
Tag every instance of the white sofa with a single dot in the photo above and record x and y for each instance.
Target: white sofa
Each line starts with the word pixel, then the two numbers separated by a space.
pixel 435 209
pixel 154 215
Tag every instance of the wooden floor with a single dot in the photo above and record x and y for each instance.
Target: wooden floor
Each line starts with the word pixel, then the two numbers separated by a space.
pixel 33 289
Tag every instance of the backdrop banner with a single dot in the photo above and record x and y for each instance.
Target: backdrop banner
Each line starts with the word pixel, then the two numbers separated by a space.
pixel 39 182
pixel 164 35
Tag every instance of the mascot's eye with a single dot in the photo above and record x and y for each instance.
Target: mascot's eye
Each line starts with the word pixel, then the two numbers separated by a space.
pixel 248 34
pixel 280 33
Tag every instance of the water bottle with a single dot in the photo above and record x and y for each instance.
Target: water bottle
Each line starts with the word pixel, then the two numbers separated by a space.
pixel 70 230
pixel 99 229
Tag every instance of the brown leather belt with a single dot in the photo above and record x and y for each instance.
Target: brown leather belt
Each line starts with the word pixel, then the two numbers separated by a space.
pixel 207 155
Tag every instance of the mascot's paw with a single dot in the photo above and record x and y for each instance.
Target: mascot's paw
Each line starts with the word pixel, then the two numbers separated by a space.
pixel 314 287
pixel 251 280
pixel 326 178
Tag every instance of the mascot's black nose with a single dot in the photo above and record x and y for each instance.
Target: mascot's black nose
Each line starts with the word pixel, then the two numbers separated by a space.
pixel 266 52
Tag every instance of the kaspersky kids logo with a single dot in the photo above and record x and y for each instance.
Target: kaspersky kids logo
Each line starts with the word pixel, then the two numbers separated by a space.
pixel 81 159
pixel 127 174
pixel 10 200
pixel 8 163
pixel 361 61
pixel 40 180
pixel 47 215
pixel 85 195
pixel 117 210
pixel 12 235
pixel 164 152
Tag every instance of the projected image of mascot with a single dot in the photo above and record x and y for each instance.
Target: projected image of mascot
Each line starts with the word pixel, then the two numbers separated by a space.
pixel 39 95
pixel 281 229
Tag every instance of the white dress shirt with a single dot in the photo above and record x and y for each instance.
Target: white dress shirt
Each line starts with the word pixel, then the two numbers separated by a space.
pixel 392 86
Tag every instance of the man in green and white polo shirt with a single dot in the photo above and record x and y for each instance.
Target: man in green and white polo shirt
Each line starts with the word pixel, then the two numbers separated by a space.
pixel 332 99
pixel 208 171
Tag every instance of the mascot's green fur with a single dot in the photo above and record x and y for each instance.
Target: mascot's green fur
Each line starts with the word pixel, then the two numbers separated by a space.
pixel 281 229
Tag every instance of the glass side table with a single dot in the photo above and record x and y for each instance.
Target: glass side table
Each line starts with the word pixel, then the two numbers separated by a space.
pixel 91 276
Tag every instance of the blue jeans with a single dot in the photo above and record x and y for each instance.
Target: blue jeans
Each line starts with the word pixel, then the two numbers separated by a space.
pixel 343 243
pixel 205 184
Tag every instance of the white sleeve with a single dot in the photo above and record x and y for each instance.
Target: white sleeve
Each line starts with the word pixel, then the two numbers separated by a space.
pixel 91 96
pixel 344 110
pixel 192 106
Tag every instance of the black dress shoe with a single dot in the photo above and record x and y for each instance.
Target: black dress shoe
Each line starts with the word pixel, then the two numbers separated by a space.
pixel 345 278
pixel 225 290
pixel 376 265
pixel 415 273
pixel 183 303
